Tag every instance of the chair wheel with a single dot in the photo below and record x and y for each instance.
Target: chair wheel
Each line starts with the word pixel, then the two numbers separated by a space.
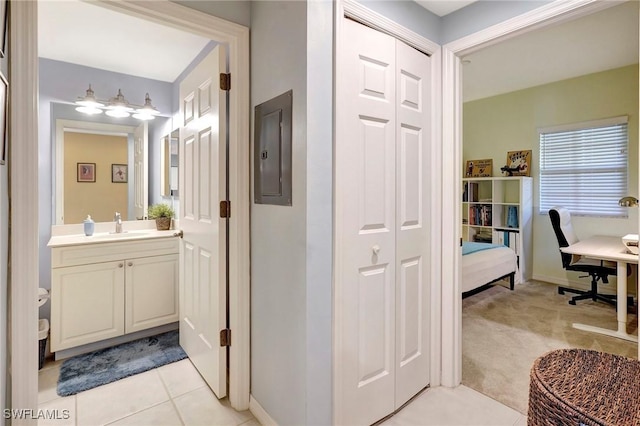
pixel 560 291
pixel 572 302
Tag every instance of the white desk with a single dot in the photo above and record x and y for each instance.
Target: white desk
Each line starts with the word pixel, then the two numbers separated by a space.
pixel 609 248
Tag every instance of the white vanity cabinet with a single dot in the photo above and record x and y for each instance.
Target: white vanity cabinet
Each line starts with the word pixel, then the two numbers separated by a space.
pixel 107 289
pixel 151 297
pixel 87 304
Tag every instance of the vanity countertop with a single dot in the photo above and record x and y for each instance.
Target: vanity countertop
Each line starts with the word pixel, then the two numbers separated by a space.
pixel 108 237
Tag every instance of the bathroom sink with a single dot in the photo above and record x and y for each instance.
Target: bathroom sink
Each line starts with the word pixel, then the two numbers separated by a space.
pixel 121 235
pixel 109 237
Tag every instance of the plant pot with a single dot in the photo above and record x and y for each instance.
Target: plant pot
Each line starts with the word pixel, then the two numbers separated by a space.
pixel 163 223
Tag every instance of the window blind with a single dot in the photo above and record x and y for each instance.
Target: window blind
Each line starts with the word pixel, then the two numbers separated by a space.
pixel 585 169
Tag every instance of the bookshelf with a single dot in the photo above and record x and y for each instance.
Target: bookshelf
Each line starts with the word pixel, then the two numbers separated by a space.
pixel 499 210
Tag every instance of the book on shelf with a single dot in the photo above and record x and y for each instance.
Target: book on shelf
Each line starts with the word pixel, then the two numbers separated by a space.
pixel 512 216
pixel 483 237
pixel 470 192
pixel 509 238
pixel 480 215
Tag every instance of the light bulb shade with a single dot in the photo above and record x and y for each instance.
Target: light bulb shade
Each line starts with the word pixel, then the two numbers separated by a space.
pixel 143 117
pixel 147 108
pixel 628 202
pixel 117 113
pixel 91 110
pixel 119 103
pixel 89 100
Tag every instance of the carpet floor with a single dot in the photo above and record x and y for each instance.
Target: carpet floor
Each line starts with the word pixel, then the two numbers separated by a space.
pixel 503 332
pixel 87 371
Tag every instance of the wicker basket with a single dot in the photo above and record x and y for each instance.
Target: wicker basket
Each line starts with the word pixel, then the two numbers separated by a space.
pixel 163 223
pixel 579 386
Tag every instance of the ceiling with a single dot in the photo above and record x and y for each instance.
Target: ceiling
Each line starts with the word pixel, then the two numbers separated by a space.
pixel 594 43
pixel 444 7
pixel 85 34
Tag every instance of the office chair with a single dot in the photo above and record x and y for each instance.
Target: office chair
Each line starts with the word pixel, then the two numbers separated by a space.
pixel 596 269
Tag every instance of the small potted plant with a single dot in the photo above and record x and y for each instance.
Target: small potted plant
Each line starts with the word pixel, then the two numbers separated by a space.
pixel 162 213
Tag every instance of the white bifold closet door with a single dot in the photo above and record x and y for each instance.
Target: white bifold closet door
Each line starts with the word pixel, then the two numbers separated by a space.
pixel 382 224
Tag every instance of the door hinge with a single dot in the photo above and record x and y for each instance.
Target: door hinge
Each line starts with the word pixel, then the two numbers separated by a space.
pixel 225 337
pixel 225 209
pixel 225 81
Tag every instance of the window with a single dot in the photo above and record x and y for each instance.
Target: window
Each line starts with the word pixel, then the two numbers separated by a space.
pixel 583 167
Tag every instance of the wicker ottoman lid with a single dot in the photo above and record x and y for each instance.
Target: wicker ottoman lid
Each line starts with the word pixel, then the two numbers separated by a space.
pixel 601 387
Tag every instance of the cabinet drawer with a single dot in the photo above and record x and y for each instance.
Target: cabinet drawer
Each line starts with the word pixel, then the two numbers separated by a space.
pixel 112 251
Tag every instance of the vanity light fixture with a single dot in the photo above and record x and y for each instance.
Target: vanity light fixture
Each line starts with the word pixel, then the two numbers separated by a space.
pixel 117 106
pixel 89 104
pixel 147 112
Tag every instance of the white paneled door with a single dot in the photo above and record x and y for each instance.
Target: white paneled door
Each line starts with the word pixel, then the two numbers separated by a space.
pixel 203 308
pixel 413 138
pixel 382 265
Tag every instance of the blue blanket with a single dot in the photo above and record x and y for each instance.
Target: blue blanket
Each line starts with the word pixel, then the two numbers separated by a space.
pixel 472 247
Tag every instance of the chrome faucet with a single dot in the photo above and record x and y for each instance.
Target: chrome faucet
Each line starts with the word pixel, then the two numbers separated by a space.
pixel 118 221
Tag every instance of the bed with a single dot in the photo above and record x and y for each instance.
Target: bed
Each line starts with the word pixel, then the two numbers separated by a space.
pixel 483 264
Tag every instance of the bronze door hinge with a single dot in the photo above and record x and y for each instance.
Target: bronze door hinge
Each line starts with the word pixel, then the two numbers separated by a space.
pixel 225 81
pixel 225 337
pixel 225 209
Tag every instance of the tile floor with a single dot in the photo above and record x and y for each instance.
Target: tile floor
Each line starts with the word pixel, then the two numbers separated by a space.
pixel 170 395
pixel 175 394
pixel 461 406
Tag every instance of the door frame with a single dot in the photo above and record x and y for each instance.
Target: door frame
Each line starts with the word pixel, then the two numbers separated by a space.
pixel 356 11
pixel 452 54
pixel 23 161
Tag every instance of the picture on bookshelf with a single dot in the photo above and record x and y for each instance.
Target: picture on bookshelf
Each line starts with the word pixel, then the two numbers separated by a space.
pixel 518 163
pixel 479 168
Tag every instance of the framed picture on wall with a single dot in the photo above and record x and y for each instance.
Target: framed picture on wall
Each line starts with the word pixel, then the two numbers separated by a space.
pixel 119 173
pixel 86 172
pixel 4 19
pixel 479 168
pixel 518 163
pixel 4 115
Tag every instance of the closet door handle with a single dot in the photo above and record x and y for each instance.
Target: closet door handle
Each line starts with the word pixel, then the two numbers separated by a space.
pixel 375 249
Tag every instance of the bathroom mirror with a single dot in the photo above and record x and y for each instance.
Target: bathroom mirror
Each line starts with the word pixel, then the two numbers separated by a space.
pixel 115 156
pixel 169 165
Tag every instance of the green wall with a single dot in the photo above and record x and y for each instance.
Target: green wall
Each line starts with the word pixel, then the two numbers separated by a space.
pixel 509 122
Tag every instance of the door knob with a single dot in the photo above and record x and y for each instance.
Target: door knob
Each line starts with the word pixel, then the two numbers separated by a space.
pixel 375 249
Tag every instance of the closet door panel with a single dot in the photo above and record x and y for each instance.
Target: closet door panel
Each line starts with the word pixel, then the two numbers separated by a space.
pixel 365 210
pixel 413 131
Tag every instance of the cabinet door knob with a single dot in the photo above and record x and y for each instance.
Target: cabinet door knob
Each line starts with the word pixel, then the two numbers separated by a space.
pixel 375 249
pixel 120 265
pixel 130 264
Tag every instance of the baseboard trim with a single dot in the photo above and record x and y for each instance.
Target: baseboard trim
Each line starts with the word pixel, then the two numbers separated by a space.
pixel 259 413
pixel 580 285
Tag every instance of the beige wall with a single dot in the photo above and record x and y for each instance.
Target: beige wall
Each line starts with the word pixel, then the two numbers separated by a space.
pixel 102 198
pixel 509 122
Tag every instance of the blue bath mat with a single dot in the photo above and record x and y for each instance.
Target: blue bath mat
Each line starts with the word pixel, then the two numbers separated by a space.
pixel 104 366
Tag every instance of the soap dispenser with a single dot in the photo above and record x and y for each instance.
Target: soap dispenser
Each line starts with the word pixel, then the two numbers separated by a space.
pixel 88 226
